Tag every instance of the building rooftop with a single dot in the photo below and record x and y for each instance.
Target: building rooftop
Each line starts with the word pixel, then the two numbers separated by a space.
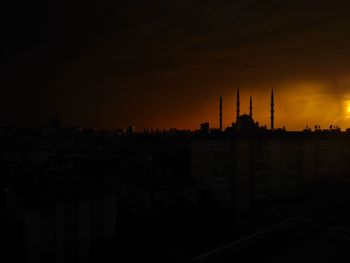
pixel 296 240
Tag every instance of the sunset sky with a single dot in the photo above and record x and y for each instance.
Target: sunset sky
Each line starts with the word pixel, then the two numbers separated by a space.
pixel 162 64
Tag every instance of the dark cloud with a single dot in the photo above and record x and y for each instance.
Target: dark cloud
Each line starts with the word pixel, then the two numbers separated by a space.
pixel 98 57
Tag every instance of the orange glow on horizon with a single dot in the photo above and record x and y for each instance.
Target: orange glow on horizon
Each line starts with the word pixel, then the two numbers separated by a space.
pixel 296 106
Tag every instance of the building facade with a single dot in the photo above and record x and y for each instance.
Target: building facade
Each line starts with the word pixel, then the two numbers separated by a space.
pixel 246 167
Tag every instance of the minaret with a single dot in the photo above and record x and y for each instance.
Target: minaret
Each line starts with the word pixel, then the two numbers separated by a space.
pixel 237 103
pixel 272 111
pixel 220 113
pixel 251 107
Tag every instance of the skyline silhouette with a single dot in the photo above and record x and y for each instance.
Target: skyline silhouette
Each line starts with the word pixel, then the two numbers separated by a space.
pixel 220 123
pixel 163 64
pixel 175 131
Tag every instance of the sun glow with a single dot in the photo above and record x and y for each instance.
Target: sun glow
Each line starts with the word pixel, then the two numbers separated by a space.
pixel 347 109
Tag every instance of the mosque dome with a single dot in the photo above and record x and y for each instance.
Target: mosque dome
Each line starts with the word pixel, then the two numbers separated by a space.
pixel 245 122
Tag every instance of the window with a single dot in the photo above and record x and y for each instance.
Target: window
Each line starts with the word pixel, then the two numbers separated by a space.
pixel 289 151
pixel 47 239
pixel 70 234
pixel 71 209
pixel 262 178
pixel 261 166
pixel 97 207
pixel 291 178
pixel 48 211
pixel 291 165
pixel 97 216
pixel 220 155
pixel 221 170
pixel 48 256
pixel 260 193
pixel 324 154
pixel 48 216
pixel 261 150
pixel 71 254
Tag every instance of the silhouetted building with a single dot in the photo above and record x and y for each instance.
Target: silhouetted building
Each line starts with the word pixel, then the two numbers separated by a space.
pixel 131 129
pixel 205 128
pixel 272 112
pixel 244 122
pixel 55 122
pixel 63 220
pixel 237 106
pixel 215 130
pixel 251 107
pixel 220 114
pixel 298 239
pixel 246 167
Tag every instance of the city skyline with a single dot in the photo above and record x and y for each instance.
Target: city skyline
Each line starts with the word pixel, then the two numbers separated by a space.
pixel 175 131
pixel 163 64
pixel 301 117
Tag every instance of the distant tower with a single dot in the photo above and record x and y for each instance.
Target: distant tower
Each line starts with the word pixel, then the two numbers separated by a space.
pixel 220 113
pixel 237 103
pixel 251 107
pixel 272 111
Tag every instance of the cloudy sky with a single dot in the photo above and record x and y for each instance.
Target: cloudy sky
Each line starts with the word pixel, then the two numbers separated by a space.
pixel 109 64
